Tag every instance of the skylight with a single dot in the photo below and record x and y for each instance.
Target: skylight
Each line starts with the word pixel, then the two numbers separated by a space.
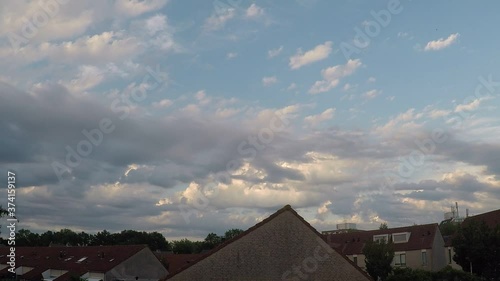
pixel 80 260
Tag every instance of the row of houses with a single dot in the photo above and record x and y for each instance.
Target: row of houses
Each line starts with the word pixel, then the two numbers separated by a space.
pixel 282 247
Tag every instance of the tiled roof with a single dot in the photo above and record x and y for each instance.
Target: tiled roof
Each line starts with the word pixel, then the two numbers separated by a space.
pixel 76 260
pixel 286 208
pixel 492 219
pixel 178 261
pixel 421 237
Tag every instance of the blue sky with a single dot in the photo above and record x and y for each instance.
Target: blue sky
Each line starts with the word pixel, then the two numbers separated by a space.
pixel 395 131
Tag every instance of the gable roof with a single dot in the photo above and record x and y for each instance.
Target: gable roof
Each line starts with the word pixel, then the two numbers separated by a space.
pixel 178 261
pixel 492 219
pixel 76 260
pixel 352 243
pixel 223 248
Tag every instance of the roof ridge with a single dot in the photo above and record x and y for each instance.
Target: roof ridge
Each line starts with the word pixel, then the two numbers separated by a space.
pixel 285 208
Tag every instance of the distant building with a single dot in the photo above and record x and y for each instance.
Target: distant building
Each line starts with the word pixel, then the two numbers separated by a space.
pixel 282 247
pixel 418 246
pixel 342 228
pixel 95 263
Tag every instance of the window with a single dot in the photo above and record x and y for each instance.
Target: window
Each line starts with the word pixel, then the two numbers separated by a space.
pixel 380 237
pixel 355 260
pixel 401 237
pixel 424 258
pixel 400 259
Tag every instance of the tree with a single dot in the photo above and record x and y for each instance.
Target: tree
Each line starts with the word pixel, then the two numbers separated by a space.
pixel 211 241
pixel 183 246
pixel 231 233
pixel 378 258
pixel 478 245
pixel 26 238
pixel 383 226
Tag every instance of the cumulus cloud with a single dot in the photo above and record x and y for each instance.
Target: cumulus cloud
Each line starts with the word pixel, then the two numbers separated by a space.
pixel 269 80
pixel 318 53
pixel 441 43
pixel 332 76
pixel 314 120
pixel 274 52
pixel 254 11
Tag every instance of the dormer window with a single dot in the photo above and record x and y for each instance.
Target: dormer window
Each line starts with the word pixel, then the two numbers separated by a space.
pixel 380 237
pixel 401 237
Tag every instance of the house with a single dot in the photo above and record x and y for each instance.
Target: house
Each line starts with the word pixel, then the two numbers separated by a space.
pixel 106 263
pixel 418 246
pixel 492 219
pixel 282 247
pixel 174 262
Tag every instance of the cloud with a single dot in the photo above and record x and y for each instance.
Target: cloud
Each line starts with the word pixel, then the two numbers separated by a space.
pixel 441 43
pixel 371 80
pixel 137 7
pixel 371 94
pixel 471 106
pixel 291 87
pixel 218 20
pixel 254 11
pixel 314 120
pixel 267 81
pixel 231 55
pixel 332 76
pixel 163 103
pixel 274 52
pixel 319 53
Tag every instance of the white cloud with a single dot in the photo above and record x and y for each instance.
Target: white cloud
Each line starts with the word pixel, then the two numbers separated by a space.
pixel 267 81
pixel 274 52
pixel 314 120
pixel 217 21
pixel 163 103
pixel 391 98
pixel 231 55
pixel 372 80
pixel 319 53
pixel 292 87
pixel 88 77
pixel 254 11
pixel 473 105
pixel 437 113
pixel 371 94
pixel 332 76
pixel 138 7
pixel 441 43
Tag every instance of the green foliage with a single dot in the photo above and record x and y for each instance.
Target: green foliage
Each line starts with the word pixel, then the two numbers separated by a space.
pixel 183 246
pixel 478 245
pixel 448 228
pixel 383 226
pixel 231 233
pixel 378 258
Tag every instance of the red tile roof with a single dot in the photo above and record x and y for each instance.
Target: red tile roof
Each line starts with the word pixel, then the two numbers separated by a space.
pixel 352 243
pixel 178 261
pixel 492 219
pixel 286 208
pixel 98 259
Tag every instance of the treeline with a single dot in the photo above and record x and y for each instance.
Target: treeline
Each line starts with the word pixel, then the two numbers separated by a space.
pixel 155 240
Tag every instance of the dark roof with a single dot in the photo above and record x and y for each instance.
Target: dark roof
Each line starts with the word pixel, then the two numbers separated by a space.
pixel 177 261
pixel 492 219
pixel 98 259
pixel 421 237
pixel 286 208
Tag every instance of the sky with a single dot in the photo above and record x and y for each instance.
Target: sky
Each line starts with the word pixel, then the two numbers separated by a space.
pixel 190 117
